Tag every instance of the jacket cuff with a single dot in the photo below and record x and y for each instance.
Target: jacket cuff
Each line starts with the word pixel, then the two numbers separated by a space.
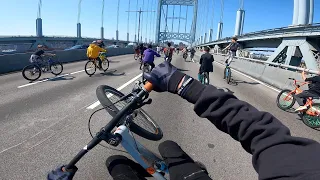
pixel 194 91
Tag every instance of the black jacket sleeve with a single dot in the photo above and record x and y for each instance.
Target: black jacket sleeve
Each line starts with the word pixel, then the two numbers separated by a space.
pixel 313 79
pixel 275 153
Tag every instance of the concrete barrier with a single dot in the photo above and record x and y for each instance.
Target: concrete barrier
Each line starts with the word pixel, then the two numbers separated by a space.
pixel 16 62
pixel 274 76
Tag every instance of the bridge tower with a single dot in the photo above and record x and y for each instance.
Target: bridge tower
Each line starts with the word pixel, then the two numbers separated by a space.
pixel 162 31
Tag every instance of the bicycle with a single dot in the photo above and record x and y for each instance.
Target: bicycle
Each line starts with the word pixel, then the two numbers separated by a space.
pixel 145 69
pixel 92 64
pixel 227 73
pixel 204 78
pixel 42 67
pixel 124 121
pixel 310 117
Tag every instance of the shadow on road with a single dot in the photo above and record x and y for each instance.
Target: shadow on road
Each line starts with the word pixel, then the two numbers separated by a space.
pixel 110 73
pixel 62 78
pixel 235 82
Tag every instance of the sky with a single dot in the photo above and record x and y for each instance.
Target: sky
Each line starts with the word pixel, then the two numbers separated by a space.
pixel 59 17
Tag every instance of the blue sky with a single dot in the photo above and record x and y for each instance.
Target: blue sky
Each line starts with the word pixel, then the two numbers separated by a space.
pixel 60 16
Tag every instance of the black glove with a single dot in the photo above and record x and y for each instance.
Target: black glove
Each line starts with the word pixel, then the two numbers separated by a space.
pixel 59 174
pixel 164 77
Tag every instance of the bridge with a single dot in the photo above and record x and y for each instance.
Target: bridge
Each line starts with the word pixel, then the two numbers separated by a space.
pixel 45 123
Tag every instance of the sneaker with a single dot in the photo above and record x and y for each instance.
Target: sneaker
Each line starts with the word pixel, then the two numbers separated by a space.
pixel 301 108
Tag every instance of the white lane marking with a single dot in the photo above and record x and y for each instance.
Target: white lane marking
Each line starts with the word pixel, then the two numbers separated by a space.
pixel 97 103
pixel 47 79
pixel 260 82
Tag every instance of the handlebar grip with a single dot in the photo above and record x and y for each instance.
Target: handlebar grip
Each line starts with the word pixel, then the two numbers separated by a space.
pixel 148 86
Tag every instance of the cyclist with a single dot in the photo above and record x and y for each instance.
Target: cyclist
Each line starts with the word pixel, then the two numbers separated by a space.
pixel 168 52
pixel 137 51
pixel 142 48
pixel 275 153
pixel 149 56
pixel 36 57
pixel 232 47
pixel 93 52
pixel 158 49
pixel 192 52
pixel 206 65
pixel 314 91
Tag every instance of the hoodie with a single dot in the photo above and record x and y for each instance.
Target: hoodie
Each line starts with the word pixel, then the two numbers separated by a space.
pixel 149 55
pixel 93 51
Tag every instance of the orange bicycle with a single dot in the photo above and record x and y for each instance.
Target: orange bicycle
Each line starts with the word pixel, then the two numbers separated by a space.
pixel 287 98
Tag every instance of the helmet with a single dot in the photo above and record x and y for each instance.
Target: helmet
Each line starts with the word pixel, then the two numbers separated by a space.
pixel 40 46
pixel 94 42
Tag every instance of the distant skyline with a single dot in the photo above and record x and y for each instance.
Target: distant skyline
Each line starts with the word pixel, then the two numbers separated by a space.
pixel 59 17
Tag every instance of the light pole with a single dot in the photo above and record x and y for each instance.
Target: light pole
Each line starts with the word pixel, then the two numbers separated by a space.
pixel 140 11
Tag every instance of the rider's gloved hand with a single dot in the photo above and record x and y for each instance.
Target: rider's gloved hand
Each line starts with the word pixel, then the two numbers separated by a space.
pixel 164 77
pixel 60 174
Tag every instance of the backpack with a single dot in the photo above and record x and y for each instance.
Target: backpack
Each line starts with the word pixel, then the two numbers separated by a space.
pixel 168 52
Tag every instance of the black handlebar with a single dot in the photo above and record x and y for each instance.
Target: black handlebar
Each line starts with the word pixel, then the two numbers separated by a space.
pixel 107 129
pixel 291 78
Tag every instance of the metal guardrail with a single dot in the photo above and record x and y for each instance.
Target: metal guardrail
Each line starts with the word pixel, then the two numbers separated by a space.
pixel 274 64
pixel 276 31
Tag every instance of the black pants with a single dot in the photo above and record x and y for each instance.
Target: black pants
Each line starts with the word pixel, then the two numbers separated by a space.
pixel 302 97
pixel 181 166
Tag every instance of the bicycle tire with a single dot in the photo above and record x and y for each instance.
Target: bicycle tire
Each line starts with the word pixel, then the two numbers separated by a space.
pixel 135 57
pixel 145 69
pixel 278 100
pixel 56 63
pixel 229 76
pixel 86 69
pixel 29 67
pixel 310 123
pixel 106 61
pixel 224 73
pixel 105 101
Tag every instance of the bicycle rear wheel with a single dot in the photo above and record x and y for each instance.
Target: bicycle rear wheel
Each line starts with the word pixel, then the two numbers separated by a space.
pixel 56 68
pixel 228 75
pixel 149 130
pixel 105 64
pixel 146 68
pixel 206 78
pixel 90 68
pixel 31 72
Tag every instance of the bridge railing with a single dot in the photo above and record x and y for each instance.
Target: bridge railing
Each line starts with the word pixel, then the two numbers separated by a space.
pixel 275 74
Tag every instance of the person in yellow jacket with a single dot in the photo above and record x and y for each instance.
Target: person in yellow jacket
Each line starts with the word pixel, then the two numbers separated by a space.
pixel 93 52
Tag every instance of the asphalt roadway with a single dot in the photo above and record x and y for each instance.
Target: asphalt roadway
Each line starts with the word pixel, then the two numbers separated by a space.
pixel 44 124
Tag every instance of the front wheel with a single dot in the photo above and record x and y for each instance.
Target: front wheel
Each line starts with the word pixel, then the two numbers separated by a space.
pixel 31 72
pixel 90 68
pixel 56 68
pixel 105 64
pixel 312 121
pixel 109 98
pixel 285 99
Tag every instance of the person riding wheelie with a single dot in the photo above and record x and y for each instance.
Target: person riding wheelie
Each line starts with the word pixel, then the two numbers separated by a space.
pixel 206 65
pixel 314 91
pixel 149 56
pixel 276 154
pixel 93 52
pixel 232 47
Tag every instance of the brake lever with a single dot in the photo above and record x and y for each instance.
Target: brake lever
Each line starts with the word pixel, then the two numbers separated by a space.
pixel 149 101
